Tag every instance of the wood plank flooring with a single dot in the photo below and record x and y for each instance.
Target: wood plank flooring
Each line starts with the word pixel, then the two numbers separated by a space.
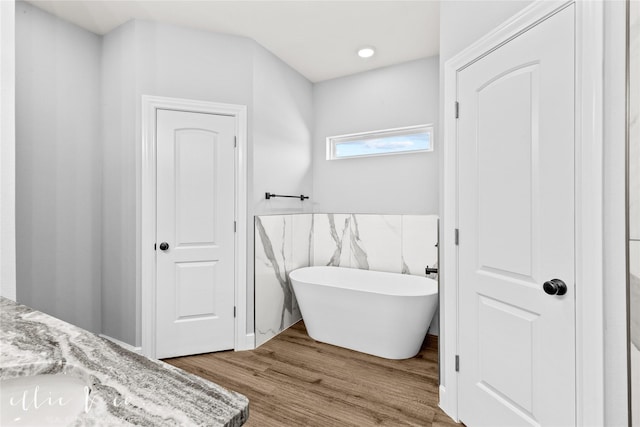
pixel 293 380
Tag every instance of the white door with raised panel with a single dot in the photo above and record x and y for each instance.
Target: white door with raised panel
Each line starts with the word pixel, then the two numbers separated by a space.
pixel 516 222
pixel 195 233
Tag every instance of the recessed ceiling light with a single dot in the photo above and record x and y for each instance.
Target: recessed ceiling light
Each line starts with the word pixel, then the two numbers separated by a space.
pixel 366 52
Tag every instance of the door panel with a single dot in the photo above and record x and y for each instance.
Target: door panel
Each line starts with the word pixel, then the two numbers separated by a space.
pixel 195 290
pixel 195 166
pixel 504 167
pixel 195 214
pixel 516 221
pixel 506 338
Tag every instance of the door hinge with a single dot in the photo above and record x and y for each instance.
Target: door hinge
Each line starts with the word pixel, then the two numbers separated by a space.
pixel 457 110
pixel 235 141
pixel 457 237
pixel 457 363
pixel 234 311
pixel 235 227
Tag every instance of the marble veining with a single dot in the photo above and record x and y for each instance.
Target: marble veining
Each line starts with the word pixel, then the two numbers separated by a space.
pixel 392 243
pixel 379 239
pixel 358 254
pixel 125 388
pixel 282 244
pixel 334 241
pixel 279 269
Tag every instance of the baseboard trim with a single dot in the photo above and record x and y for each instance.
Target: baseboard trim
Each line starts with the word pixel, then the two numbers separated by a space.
pixel 122 344
pixel 447 404
pixel 248 342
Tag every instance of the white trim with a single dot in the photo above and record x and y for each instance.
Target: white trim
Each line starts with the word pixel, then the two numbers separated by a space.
pixel 150 104
pixel 589 229
pixel 589 202
pixel 122 344
pixel 7 151
pixel 246 341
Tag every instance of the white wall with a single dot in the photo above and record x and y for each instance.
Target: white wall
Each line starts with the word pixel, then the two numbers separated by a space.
pixel 463 22
pixel 282 126
pixel 79 131
pixel 120 290
pixel 143 57
pixel 146 58
pixel 395 96
pixel 7 151
pixel 184 63
pixel 280 159
pixel 58 167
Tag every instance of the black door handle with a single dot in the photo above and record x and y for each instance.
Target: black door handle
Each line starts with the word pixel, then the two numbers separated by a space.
pixel 164 246
pixel 555 287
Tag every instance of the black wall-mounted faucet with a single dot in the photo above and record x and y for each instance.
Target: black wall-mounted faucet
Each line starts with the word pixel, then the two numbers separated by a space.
pixel 430 270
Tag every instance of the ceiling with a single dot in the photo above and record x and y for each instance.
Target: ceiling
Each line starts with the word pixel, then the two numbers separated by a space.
pixel 317 38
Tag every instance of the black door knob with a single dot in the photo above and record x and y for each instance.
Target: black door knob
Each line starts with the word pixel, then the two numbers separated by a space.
pixel 164 246
pixel 555 287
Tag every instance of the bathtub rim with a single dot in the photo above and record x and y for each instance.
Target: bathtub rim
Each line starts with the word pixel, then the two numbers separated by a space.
pixel 432 284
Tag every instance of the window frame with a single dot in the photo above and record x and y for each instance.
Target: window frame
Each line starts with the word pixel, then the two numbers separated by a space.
pixel 332 141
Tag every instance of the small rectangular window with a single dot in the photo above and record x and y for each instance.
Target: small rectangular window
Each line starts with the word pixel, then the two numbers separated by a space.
pixel 382 142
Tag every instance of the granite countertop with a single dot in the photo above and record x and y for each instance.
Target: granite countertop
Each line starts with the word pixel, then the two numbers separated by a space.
pixel 126 388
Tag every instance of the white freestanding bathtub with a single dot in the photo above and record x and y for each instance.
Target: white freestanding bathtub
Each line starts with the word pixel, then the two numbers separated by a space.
pixel 384 314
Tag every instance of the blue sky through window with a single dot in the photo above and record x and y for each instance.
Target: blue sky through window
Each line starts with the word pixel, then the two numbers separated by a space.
pixel 399 142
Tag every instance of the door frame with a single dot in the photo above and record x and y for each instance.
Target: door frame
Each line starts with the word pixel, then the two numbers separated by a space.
pixel 8 150
pixel 147 226
pixel 589 204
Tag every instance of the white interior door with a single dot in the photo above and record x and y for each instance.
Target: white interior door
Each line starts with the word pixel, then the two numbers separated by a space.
pixel 195 233
pixel 516 222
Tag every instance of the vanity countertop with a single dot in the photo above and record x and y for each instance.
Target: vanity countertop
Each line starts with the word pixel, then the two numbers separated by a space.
pixel 126 388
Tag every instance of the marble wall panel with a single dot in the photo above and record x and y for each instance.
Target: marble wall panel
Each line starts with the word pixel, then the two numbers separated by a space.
pixel 332 240
pixel 282 244
pixel 634 324
pixel 420 249
pixel 301 250
pixel 394 243
pixel 376 242
pixel 419 243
